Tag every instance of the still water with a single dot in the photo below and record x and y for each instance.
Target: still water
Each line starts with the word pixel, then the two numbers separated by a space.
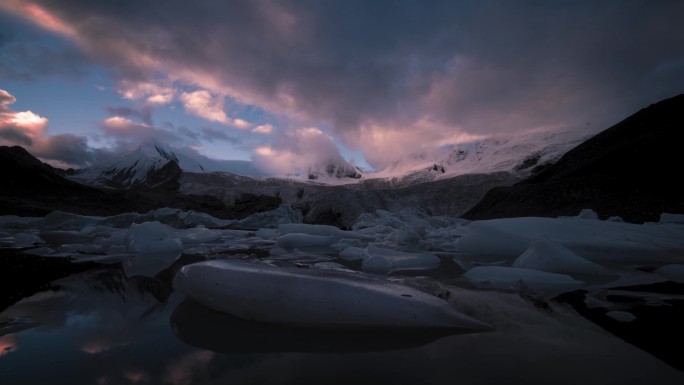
pixel 101 327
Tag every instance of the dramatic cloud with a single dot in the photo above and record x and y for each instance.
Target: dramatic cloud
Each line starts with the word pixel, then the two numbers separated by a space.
pixel 29 130
pixel 27 56
pixel 203 104
pixel 296 151
pixel 386 76
pixel 129 134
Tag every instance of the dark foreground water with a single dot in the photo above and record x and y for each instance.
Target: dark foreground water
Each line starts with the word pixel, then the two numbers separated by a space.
pixel 100 327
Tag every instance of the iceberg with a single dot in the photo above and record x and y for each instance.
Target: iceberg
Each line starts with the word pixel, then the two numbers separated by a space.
pixel 320 230
pixel 499 277
pixel 385 261
pixel 315 297
pixel 155 246
pixel 306 241
pixel 546 255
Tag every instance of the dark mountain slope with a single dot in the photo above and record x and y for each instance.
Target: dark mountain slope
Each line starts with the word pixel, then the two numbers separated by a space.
pixel 32 188
pixel 632 170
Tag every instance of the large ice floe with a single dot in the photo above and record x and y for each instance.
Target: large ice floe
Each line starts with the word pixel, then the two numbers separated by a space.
pixel 313 297
pixel 321 275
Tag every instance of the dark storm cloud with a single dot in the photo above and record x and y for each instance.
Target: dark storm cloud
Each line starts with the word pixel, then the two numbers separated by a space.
pixel 26 55
pixel 14 134
pixel 416 71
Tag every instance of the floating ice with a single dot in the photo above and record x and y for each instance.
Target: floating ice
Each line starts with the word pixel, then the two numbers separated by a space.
pixel 25 240
pixel 489 241
pixel 673 272
pixel 667 218
pixel 156 248
pixel 607 243
pixel 198 235
pixel 385 261
pixel 498 277
pixel 322 230
pixel 40 251
pixel 353 253
pixel 546 255
pixel 588 214
pixel 313 297
pixel 272 219
pixel 621 315
pixel 306 241
pixel 271 234
pixel 65 237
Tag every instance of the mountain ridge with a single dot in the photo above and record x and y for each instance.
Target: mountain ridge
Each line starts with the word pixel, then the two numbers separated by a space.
pixel 627 170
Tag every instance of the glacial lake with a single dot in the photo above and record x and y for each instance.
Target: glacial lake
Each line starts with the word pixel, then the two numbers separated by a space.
pixel 100 327
pixel 115 318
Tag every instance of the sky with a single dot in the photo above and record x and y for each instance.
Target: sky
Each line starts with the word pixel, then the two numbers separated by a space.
pixel 289 84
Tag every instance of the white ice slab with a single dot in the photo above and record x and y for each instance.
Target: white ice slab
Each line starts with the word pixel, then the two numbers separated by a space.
pixel 313 297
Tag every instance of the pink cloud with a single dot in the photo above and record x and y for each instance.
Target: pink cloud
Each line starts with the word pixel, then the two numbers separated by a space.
pixel 152 93
pixel 205 105
pixel 263 129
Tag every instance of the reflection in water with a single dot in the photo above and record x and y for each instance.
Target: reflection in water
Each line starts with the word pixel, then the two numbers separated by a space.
pixel 204 328
pixel 182 371
pixel 101 327
pixel 8 343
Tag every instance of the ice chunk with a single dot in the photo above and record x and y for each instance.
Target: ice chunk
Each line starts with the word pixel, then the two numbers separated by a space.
pixel 150 237
pixel 327 265
pixel 385 261
pixel 267 233
pixel 198 235
pixel 404 236
pixel 546 255
pixel 671 218
pixel 621 315
pixel 272 219
pixel 487 241
pixel 40 251
pixel 68 221
pixel 322 230
pixel 65 237
pixel 353 253
pixel 673 272
pixel 25 240
pixel 314 297
pixel 498 277
pixel 607 243
pixel 194 218
pixel 156 248
pixel 588 214
pixel 306 241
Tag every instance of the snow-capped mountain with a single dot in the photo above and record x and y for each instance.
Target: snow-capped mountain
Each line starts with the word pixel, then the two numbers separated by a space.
pixel 331 169
pixel 523 155
pixel 149 165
